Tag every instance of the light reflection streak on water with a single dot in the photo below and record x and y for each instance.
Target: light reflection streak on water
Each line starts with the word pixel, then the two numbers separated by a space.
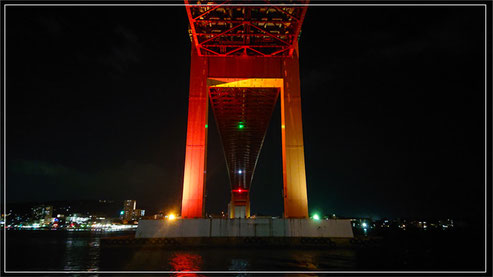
pixel 81 253
pixel 239 265
pixel 183 262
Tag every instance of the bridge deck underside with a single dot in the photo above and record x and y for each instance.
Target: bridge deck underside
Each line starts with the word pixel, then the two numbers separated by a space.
pixel 221 29
pixel 242 116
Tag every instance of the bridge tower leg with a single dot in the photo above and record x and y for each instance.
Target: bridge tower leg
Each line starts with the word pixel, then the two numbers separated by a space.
pixel 294 177
pixel 293 157
pixel 196 149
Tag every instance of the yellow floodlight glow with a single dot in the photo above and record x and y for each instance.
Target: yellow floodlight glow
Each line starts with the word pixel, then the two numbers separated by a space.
pixel 171 217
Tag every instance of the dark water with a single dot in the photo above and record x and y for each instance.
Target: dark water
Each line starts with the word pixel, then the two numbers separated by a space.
pixel 74 251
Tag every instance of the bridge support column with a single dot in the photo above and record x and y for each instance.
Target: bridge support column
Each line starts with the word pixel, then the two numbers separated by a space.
pixel 196 149
pixel 239 207
pixel 293 156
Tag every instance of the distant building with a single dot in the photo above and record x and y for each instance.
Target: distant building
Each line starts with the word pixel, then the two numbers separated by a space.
pixel 446 223
pixel 364 223
pixel 77 218
pixel 138 214
pixel 42 214
pixel 159 215
pixel 130 211
pixel 60 220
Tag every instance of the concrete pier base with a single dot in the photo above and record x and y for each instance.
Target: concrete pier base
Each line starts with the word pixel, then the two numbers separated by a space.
pixel 244 227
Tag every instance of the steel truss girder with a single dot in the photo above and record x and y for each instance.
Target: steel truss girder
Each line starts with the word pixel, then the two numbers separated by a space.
pixel 267 29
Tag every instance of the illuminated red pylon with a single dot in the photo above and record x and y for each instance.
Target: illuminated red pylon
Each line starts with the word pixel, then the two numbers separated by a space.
pixel 243 57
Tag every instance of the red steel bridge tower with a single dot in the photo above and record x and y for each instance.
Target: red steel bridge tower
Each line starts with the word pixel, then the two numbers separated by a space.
pixel 244 56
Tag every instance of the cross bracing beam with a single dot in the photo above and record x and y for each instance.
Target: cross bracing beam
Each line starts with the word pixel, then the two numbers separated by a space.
pixel 268 30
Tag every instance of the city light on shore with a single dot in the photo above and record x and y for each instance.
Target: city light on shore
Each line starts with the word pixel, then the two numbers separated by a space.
pixel 171 217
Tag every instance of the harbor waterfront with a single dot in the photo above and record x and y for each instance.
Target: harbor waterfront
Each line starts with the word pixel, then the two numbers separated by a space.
pixel 456 249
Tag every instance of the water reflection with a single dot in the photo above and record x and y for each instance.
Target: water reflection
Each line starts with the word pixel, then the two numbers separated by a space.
pixel 186 262
pixel 81 253
pixel 238 265
pixel 93 254
pixel 46 250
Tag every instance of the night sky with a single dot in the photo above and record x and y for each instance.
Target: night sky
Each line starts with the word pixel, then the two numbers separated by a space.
pixel 392 100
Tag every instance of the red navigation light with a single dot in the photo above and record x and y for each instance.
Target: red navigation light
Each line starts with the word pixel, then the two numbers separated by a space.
pixel 240 190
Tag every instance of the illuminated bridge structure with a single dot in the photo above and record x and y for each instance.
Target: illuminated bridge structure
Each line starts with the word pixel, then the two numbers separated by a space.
pixel 244 57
